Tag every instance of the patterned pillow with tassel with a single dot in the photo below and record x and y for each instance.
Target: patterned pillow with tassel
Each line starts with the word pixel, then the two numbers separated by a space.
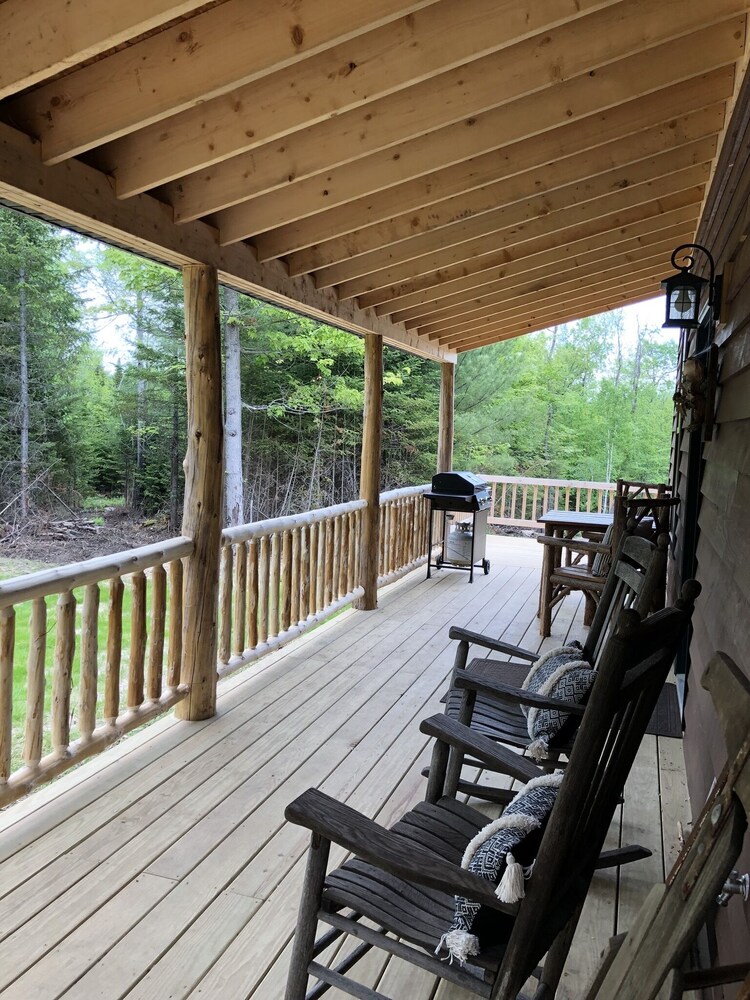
pixel 562 674
pixel 490 856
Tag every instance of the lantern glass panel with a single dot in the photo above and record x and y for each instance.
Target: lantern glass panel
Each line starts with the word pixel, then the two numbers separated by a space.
pixel 683 302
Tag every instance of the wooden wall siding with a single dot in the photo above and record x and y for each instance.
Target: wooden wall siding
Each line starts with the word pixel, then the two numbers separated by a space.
pixel 722 618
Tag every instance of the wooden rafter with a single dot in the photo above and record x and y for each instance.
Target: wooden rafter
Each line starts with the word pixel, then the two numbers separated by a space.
pixel 58 34
pixel 445 173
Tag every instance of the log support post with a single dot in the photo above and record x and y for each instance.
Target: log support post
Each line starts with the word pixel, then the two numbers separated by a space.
pixel 369 483
pixel 203 491
pixel 445 431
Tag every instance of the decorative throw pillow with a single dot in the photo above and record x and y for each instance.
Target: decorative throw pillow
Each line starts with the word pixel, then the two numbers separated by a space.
pixel 563 674
pixel 603 560
pixel 489 856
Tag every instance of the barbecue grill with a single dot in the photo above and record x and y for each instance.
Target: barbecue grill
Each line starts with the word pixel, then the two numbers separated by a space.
pixel 464 540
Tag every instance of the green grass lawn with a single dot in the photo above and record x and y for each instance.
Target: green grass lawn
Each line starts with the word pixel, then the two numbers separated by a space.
pixel 12 568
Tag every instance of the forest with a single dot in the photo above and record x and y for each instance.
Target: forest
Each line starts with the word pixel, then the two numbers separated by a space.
pixel 93 395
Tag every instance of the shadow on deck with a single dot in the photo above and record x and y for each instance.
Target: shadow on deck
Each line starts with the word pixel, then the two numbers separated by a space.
pixel 165 869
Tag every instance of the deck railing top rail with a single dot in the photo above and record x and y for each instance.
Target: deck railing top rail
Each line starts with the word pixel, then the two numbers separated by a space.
pixel 46 582
pixel 274 525
pixel 530 481
pixel 407 491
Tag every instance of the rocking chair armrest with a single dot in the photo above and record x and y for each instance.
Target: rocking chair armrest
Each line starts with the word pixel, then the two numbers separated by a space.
pixel 497 645
pixel 499 757
pixel 512 695
pixel 340 824
pixel 577 544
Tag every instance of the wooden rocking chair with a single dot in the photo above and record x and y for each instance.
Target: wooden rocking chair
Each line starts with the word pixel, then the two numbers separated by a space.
pixel 404 880
pixel 652 954
pixel 486 694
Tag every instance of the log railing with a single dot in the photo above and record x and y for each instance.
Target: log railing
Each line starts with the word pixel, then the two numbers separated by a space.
pixel 281 577
pixel 119 685
pixel 520 502
pixel 404 531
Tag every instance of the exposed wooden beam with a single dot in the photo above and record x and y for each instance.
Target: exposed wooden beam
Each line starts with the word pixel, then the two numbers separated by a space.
pixel 76 195
pixel 198 59
pixel 542 321
pixel 567 291
pixel 157 155
pixel 593 174
pixel 532 261
pixel 42 39
pixel 532 272
pixel 491 267
pixel 614 131
pixel 325 147
pixel 470 254
pixel 566 281
pixel 405 54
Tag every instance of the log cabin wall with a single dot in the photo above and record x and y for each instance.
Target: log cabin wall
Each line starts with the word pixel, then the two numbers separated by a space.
pixel 722 553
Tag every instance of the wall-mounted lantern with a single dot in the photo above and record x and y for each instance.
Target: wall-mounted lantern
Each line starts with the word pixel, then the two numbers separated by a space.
pixel 683 289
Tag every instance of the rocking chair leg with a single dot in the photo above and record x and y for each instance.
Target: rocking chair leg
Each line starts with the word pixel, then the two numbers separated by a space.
pixel 307 921
pixel 555 959
pixel 589 609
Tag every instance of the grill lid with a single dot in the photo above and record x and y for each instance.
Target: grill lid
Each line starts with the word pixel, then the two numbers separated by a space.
pixel 458 483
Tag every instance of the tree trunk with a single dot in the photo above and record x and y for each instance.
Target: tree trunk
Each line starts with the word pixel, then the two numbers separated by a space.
pixel 174 462
pixel 24 378
pixel 234 501
pixel 445 431
pixel 140 461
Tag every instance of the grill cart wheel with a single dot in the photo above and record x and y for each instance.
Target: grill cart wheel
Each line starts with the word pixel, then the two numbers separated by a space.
pixel 486 566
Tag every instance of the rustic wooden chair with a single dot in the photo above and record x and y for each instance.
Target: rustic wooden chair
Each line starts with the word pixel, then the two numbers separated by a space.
pixel 651 956
pixel 403 880
pixel 486 695
pixel 582 564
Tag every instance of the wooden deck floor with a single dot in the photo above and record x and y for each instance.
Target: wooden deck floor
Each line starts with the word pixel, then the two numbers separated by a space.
pixel 164 869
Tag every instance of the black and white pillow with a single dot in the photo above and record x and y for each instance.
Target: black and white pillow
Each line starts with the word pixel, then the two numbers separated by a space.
pixel 563 674
pixel 490 855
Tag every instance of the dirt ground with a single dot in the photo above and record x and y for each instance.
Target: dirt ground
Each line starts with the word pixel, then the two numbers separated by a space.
pixel 55 541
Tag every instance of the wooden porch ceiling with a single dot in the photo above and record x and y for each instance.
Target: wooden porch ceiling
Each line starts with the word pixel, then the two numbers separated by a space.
pixel 448 173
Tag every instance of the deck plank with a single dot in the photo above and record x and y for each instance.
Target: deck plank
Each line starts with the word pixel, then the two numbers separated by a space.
pixel 164 868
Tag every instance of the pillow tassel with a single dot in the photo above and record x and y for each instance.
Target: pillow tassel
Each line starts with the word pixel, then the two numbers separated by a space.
pixel 539 749
pixel 510 889
pixel 459 945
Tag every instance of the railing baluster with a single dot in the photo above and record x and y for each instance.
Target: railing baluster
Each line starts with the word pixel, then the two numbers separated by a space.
pixel 114 651
pixel 252 593
pixel 313 577
pixel 137 641
pixel 174 650
pixel 225 603
pixel 263 574
pixel 328 573
pixel 273 586
pixel 62 675
pixel 342 583
pixel 320 572
pixel 89 665
pixel 304 573
pixel 336 559
pixel 158 628
pixel 296 558
pixel 351 576
pixel 239 614
pixel 7 649
pixel 35 684
pixel 286 580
